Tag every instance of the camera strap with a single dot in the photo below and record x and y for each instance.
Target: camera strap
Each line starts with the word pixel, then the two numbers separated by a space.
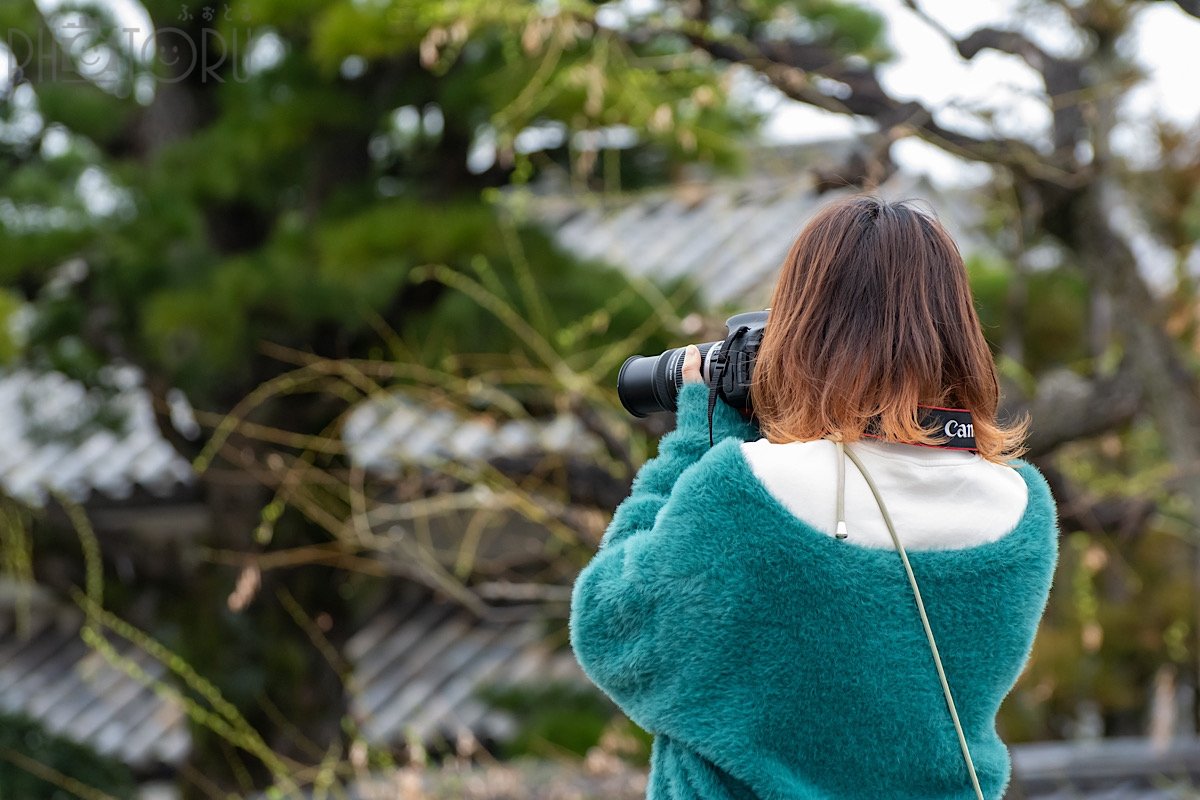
pixel 720 377
pixel 953 423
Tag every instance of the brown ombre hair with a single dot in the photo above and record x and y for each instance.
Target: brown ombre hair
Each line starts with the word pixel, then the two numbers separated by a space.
pixel 872 316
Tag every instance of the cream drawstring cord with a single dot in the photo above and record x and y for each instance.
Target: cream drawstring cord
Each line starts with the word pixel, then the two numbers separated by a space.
pixel 843 452
pixel 841 489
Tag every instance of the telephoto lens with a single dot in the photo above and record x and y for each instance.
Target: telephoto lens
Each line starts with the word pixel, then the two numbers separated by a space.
pixel 649 384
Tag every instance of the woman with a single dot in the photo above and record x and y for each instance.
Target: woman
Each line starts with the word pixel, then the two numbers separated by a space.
pixel 725 612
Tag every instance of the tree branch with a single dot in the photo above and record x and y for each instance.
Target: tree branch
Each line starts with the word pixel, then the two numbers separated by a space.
pixel 790 66
pixel 1062 77
pixel 1123 517
pixel 1067 406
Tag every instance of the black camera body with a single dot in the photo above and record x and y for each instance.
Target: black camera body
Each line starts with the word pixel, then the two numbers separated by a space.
pixel 648 384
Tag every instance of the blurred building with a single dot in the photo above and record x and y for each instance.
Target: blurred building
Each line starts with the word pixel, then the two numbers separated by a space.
pixel 420 660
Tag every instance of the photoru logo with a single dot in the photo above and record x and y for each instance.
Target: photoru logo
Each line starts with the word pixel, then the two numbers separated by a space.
pixel 79 47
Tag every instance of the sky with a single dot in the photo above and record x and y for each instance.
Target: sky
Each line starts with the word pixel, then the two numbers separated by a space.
pixel 1165 42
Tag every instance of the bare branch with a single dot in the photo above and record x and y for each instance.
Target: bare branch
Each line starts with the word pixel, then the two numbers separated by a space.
pixel 1123 517
pixel 1006 41
pixel 1067 406
pixel 1002 39
pixel 790 66
pixel 929 20
pixel 1062 77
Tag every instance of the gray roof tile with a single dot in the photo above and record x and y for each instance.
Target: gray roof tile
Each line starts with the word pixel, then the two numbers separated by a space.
pixel 50 443
pixel 731 235
pixel 417 666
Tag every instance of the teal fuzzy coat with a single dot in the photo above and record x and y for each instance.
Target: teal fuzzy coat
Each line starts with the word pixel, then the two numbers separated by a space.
pixel 775 662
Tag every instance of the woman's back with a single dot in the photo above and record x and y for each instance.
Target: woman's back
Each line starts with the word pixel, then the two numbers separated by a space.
pixel 773 660
pixel 776 661
pixel 854 685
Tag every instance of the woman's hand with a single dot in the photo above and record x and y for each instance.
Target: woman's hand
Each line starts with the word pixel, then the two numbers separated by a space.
pixel 691 373
pixel 691 365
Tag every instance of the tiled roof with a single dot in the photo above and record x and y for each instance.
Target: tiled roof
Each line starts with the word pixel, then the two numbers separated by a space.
pixel 382 434
pixel 49 674
pixel 729 236
pixel 417 666
pixel 420 663
pixel 50 442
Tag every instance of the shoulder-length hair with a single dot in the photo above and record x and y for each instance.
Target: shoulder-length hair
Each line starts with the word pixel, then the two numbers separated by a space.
pixel 872 316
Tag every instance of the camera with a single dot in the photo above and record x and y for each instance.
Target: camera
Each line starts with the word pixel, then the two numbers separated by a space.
pixel 648 384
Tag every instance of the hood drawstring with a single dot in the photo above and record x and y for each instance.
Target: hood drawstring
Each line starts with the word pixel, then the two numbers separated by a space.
pixel 841 531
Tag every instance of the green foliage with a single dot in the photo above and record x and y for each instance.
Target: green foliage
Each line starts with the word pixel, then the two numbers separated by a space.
pixel 557 718
pixel 1120 612
pixel 1055 318
pixel 84 110
pixel 990 281
pixel 515 64
pixel 353 270
pixel 46 222
pixel 1048 309
pixel 10 305
pixel 851 28
pixel 61 765
pixel 1122 608
pixel 580 310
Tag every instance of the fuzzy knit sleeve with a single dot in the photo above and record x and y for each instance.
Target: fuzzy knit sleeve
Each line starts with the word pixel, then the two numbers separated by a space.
pixel 633 588
pixel 677 451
